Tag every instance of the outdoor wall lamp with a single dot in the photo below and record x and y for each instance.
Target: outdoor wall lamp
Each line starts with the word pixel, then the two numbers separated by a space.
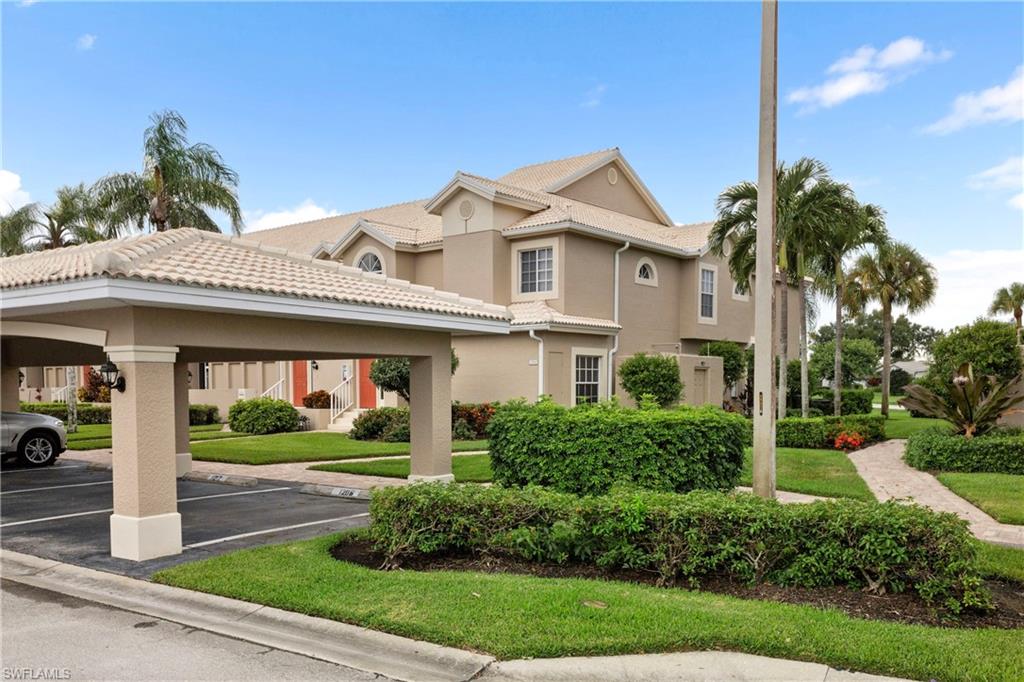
pixel 314 365
pixel 110 375
pixel 21 378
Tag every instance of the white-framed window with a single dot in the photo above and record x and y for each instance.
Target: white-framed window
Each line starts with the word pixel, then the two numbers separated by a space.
pixel 707 302
pixel 370 259
pixel 587 381
pixel 646 273
pixel 535 270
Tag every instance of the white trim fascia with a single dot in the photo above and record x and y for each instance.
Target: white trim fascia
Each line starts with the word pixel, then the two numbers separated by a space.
pixel 566 328
pixel 461 181
pixel 38 299
pixel 634 178
pixel 515 232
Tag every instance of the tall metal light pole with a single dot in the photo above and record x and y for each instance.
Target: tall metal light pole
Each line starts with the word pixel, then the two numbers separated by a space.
pixel 764 284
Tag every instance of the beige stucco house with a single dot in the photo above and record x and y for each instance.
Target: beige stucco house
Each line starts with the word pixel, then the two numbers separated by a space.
pixel 589 265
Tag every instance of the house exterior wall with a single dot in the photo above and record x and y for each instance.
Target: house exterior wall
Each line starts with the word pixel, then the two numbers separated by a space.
pixel 430 268
pixel 596 189
pixel 495 368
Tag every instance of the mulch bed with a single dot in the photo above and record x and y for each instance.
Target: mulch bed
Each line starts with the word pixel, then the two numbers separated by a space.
pixel 903 608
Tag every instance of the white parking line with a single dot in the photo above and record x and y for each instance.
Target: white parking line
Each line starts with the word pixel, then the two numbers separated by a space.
pixel 107 511
pixel 53 487
pixel 41 470
pixel 272 530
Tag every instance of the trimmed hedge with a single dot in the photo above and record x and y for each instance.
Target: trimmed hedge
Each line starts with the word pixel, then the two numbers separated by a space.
pixel 821 432
pixel 855 401
pixel 999 452
pixel 588 449
pixel 87 413
pixel 201 413
pixel 391 424
pixel 263 415
pixel 372 424
pixel 883 547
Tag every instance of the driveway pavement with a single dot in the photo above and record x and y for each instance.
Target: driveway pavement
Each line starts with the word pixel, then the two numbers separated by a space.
pixel 63 513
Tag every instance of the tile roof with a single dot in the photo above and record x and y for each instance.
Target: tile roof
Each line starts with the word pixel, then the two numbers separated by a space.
pixel 540 313
pixel 409 223
pixel 195 258
pixel 539 176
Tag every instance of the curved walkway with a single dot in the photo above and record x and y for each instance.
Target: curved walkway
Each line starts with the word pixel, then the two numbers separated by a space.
pixel 889 477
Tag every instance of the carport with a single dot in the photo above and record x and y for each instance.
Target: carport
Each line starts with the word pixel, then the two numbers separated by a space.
pixel 154 303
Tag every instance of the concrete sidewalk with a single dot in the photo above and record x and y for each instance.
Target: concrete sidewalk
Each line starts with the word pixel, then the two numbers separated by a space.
pixel 393 657
pixel 889 477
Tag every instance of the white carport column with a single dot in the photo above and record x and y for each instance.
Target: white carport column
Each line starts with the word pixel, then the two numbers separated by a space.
pixel 145 523
pixel 430 417
pixel 182 453
pixel 9 388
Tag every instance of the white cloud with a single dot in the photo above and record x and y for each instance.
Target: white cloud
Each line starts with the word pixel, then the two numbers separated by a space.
pixel 593 96
pixel 1000 103
pixel 967 280
pixel 867 70
pixel 1007 175
pixel 305 211
pixel 27 3
pixel 12 196
pixel 86 41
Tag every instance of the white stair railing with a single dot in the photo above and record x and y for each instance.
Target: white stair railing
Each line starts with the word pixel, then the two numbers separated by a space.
pixel 276 391
pixel 60 395
pixel 341 398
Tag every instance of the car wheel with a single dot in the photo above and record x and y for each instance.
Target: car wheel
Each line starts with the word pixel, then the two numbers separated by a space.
pixel 37 449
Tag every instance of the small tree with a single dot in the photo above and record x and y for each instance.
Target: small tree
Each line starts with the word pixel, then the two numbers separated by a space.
pixel 990 347
pixel 392 374
pixel 656 375
pixel 859 360
pixel 733 360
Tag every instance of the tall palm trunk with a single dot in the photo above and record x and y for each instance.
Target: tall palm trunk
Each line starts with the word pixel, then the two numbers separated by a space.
pixel 783 348
pixel 837 382
pixel 886 353
pixel 805 394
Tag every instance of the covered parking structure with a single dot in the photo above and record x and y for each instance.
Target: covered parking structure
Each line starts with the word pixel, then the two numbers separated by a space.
pixel 154 303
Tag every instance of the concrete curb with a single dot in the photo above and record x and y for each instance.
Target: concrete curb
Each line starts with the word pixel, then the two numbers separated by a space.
pixel 392 656
pixel 335 491
pixel 226 479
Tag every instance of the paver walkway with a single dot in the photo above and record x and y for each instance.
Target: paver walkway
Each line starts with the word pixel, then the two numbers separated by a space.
pixel 889 477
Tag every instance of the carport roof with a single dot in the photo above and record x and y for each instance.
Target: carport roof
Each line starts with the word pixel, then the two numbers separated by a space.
pixel 188 257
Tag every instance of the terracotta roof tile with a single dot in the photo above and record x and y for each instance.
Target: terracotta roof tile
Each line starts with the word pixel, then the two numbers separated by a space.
pixel 539 313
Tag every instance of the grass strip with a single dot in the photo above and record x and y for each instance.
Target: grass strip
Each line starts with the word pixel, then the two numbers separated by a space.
pixel 828 473
pixel 467 468
pixel 512 616
pixel 1001 496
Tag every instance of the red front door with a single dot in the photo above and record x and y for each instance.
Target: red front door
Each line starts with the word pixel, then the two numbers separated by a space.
pixel 300 381
pixel 367 391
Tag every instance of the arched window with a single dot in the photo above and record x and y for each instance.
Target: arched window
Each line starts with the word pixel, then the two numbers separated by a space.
pixel 646 273
pixel 370 262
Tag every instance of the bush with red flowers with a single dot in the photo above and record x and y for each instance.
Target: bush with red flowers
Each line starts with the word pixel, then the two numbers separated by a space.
pixel 847 441
pixel 317 400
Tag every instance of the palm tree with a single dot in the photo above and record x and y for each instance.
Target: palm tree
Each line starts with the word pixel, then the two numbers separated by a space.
pixel 803 198
pixel 1010 300
pixel 850 227
pixel 73 218
pixel 16 228
pixel 179 183
pixel 895 274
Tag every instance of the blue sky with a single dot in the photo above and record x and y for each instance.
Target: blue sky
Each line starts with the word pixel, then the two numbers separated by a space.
pixel 334 107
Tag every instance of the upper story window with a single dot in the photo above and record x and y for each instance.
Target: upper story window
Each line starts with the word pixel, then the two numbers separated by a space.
pixel 738 293
pixel 706 302
pixel 370 262
pixel 646 273
pixel 536 270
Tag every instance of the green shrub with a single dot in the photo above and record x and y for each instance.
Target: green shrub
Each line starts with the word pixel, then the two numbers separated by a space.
pixel 317 400
pixel 881 547
pixel 588 449
pixel 87 413
pixel 201 413
pixel 657 375
pixel 898 380
pixel 990 346
pixel 734 362
pixel 1000 452
pixel 93 390
pixel 475 416
pixel 372 424
pixel 860 359
pixel 821 432
pixel 855 401
pixel 263 415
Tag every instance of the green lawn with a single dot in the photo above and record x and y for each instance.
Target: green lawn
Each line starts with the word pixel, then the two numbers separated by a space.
pixel 876 398
pixel 900 424
pixel 829 473
pixel 467 468
pixel 514 616
pixel 311 446
pixel 1001 496
pixel 93 436
pixel 998 561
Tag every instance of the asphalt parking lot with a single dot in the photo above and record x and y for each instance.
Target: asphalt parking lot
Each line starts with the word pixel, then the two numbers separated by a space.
pixel 62 512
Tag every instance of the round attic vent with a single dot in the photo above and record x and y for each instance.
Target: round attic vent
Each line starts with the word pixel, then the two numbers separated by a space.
pixel 613 176
pixel 466 209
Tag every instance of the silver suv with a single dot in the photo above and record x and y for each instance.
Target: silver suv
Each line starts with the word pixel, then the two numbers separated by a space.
pixel 36 439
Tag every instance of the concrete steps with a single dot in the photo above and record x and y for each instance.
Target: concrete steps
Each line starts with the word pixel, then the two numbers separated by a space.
pixel 343 424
